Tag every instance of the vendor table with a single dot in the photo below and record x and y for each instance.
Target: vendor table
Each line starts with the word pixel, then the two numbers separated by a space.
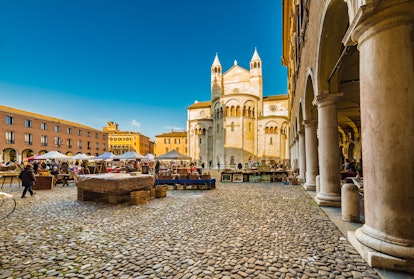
pixel 46 182
pixel 12 175
pixel 264 176
pixel 209 183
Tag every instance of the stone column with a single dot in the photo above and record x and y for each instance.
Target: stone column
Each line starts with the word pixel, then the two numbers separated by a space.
pixel 302 157
pixel 330 189
pixel 311 142
pixel 387 118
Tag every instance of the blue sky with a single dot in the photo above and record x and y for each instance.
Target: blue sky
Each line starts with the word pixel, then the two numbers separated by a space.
pixel 138 63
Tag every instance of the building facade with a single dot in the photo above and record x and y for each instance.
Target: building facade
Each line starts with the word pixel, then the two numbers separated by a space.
pixel 238 124
pixel 351 96
pixel 27 134
pixel 171 141
pixel 120 142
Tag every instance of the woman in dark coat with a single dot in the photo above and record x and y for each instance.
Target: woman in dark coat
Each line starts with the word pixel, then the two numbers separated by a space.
pixel 28 179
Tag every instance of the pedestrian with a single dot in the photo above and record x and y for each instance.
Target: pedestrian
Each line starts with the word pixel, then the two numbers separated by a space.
pixel 157 167
pixel 218 166
pixel 202 167
pixel 35 167
pixel 28 179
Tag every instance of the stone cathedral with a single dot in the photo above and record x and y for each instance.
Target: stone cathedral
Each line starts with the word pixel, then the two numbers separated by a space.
pixel 238 124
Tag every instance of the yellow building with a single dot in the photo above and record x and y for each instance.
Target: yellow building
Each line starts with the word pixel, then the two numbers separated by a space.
pixel 171 141
pixel 120 142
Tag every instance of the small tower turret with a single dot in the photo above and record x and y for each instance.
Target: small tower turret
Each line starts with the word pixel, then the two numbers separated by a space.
pixel 216 79
pixel 255 65
pixel 256 79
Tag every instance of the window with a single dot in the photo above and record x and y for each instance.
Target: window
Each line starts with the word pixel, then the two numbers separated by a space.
pixel 177 141
pixel 9 120
pixel 97 136
pixel 28 139
pixel 57 129
pixel 43 126
pixel 9 137
pixel 88 144
pixel 200 140
pixel 58 142
pixel 79 132
pixel 271 141
pixel 89 134
pixel 28 123
pixel 80 144
pixel 43 140
pixel 250 127
pixel 104 145
pixel 166 150
pixel 97 146
pixel 69 131
pixel 70 143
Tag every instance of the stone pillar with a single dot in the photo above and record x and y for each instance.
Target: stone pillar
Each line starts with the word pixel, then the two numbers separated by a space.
pixel 350 207
pixel 387 118
pixel 330 189
pixel 302 157
pixel 311 142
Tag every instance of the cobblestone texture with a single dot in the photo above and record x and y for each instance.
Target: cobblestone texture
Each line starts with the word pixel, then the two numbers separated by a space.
pixel 259 230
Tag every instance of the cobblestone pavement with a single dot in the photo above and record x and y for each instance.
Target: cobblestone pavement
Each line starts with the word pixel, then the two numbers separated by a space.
pixel 259 230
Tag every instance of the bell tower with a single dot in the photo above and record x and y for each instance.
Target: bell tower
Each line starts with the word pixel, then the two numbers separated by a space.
pixel 256 78
pixel 216 79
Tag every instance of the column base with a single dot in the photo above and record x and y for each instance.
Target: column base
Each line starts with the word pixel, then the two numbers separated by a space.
pixel 380 260
pixel 330 200
pixel 310 186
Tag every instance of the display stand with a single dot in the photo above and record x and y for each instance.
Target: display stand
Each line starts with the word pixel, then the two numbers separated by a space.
pixel 100 167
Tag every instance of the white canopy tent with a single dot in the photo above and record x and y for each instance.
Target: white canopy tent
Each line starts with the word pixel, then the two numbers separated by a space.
pixel 149 157
pixel 81 156
pixel 104 156
pixel 53 155
pixel 131 155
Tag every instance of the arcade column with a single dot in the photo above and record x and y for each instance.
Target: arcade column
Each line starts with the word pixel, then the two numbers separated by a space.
pixel 330 187
pixel 311 143
pixel 383 34
pixel 302 157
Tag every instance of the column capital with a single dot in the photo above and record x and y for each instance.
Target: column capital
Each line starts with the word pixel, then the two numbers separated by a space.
pixel 326 98
pixel 372 18
pixel 309 123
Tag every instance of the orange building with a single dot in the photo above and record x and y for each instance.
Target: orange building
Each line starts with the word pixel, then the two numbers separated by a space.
pixel 171 141
pixel 27 134
pixel 120 142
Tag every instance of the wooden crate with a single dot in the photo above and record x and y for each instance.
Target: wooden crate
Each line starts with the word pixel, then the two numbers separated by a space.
pixel 161 192
pixel 140 197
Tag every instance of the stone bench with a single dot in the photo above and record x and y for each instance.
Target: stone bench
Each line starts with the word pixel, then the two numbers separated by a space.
pixel 113 188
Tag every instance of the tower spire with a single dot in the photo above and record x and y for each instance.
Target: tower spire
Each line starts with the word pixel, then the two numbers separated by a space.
pixel 255 64
pixel 216 78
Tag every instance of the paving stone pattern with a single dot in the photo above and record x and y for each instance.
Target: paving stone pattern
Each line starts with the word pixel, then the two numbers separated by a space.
pixel 246 230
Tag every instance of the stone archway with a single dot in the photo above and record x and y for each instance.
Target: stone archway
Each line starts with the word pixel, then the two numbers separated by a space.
pixel 311 140
pixel 10 155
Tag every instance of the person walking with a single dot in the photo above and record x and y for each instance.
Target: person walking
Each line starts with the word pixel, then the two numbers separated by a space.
pixel 157 167
pixel 28 179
